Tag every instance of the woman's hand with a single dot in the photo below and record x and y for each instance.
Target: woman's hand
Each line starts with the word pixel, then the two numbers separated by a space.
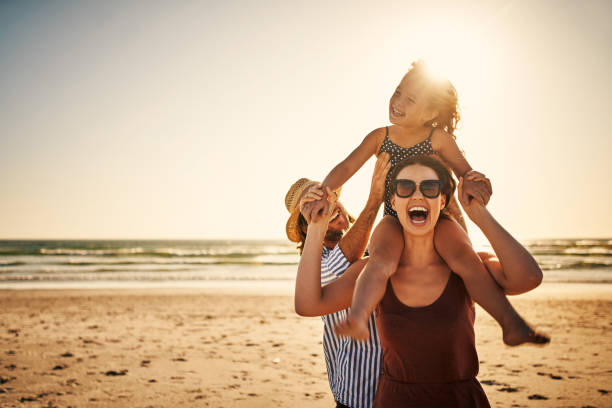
pixel 313 198
pixel 377 188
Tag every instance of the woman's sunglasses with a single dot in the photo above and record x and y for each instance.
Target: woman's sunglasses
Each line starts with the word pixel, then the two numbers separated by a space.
pixel 405 188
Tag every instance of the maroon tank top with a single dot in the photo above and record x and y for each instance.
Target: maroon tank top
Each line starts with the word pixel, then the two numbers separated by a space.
pixel 429 353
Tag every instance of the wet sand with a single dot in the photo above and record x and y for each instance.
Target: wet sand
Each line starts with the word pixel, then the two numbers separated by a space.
pixel 229 347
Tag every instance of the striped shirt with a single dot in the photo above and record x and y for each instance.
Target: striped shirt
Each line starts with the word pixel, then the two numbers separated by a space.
pixel 352 367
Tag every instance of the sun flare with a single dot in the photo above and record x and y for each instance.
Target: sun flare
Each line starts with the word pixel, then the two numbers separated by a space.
pixel 459 62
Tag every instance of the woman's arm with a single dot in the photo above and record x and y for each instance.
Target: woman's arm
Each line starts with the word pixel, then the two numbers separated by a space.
pixel 310 298
pixel 515 270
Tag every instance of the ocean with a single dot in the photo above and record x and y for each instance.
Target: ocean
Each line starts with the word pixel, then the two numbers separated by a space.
pixel 32 264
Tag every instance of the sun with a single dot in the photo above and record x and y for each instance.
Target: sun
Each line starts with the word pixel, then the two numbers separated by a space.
pixel 457 53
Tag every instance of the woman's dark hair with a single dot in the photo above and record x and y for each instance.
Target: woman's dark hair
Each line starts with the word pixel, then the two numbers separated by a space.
pixel 444 175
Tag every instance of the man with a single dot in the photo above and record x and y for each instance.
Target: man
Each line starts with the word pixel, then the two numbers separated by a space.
pixel 352 367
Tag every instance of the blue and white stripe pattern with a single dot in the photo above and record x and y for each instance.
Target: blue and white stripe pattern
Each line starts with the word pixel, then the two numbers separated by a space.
pixel 352 367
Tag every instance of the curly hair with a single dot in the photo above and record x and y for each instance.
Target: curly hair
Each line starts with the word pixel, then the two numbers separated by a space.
pixel 441 95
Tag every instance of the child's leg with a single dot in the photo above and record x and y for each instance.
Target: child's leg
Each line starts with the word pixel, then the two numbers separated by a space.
pixel 525 280
pixel 455 248
pixel 385 249
pixel 386 246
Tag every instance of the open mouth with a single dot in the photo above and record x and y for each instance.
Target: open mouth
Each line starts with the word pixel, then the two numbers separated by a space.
pixel 335 215
pixel 418 215
pixel 396 112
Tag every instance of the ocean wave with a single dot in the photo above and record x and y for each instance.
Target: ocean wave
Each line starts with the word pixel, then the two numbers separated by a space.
pixel 167 252
pixel 89 278
pixel 568 243
pixel 230 252
pixel 155 270
pixel 86 268
pixel 4 263
pixel 95 252
pixel 597 250
pixel 575 265
pixel 136 264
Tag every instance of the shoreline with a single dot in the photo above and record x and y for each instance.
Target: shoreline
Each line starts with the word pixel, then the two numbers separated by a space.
pixel 568 290
pixel 229 287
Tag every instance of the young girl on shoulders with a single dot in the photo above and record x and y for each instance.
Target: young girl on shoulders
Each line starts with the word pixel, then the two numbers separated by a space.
pixel 424 113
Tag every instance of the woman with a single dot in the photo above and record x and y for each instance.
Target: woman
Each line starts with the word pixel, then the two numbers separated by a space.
pixel 424 314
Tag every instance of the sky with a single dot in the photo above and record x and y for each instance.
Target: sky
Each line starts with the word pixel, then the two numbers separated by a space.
pixel 191 119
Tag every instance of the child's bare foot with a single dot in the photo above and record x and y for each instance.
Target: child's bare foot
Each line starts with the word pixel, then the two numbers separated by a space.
pixel 517 331
pixel 353 327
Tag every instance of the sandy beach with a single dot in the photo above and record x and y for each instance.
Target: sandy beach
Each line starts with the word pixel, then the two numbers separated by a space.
pixel 226 346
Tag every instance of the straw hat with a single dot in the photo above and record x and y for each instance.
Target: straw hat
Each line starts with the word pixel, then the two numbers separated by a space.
pixel 292 202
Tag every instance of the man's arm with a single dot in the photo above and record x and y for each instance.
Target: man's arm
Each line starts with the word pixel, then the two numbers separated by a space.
pixel 354 243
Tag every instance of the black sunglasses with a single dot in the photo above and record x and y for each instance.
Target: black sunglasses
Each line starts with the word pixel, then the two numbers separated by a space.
pixel 405 188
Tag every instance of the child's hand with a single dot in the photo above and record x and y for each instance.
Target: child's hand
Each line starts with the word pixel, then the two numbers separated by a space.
pixel 353 327
pixel 472 207
pixel 313 193
pixel 474 175
pixel 377 188
pixel 477 186
pixel 319 212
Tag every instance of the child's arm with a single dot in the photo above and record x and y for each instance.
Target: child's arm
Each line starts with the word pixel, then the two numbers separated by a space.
pixel 515 270
pixel 310 298
pixel 353 162
pixel 446 147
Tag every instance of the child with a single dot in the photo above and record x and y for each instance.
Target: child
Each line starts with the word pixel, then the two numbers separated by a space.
pixel 423 112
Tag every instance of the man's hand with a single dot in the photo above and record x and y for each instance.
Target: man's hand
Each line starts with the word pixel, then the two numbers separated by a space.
pixel 377 188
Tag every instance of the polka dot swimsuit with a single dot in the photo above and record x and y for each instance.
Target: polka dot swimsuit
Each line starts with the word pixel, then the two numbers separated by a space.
pixel 397 154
